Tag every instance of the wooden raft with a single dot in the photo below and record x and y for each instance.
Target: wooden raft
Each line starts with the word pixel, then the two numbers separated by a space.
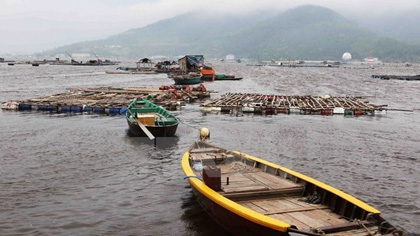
pixel 274 104
pixel 102 100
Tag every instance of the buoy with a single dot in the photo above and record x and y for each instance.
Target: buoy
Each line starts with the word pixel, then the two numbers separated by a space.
pixel 282 110
pixel 326 112
pixel 76 109
pixel 98 110
pixel 358 112
pixel 206 109
pixel 114 111
pixel 348 112
pixel 204 134
pixel 338 110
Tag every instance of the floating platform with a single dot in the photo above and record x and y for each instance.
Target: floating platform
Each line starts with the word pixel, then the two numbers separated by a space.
pixel 103 100
pixel 397 77
pixel 305 105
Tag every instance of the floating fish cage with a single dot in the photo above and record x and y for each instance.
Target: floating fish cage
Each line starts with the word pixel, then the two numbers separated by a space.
pixel 280 104
pixel 105 100
pixel 397 77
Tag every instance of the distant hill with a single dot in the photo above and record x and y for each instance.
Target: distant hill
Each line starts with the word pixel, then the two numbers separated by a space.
pixel 312 32
pixel 307 32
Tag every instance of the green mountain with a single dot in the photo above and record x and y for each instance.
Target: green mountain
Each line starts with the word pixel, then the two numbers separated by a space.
pixel 307 32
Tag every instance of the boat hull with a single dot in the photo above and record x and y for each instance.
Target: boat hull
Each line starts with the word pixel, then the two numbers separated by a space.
pixel 130 72
pixel 187 81
pixel 161 131
pixel 229 78
pixel 231 221
pixel 226 77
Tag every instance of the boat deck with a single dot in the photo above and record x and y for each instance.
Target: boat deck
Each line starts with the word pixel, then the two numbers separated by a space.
pixel 273 195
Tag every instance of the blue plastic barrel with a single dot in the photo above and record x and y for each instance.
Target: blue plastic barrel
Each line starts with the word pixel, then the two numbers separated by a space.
pixel 87 109
pixel 76 109
pixel 65 109
pixel 25 107
pixel 98 110
pixel 51 108
pixel 123 110
pixel 114 111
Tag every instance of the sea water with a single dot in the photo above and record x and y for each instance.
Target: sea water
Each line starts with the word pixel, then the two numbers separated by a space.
pixel 74 174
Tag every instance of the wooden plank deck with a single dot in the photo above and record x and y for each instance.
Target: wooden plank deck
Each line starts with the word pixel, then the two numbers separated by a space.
pixel 276 197
pixel 252 180
pixel 303 215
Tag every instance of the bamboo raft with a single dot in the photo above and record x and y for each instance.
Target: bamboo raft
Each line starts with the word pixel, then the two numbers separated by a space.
pixel 105 100
pixel 397 77
pixel 305 105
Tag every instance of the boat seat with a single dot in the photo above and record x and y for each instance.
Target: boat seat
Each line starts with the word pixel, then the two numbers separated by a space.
pixel 166 120
pixel 144 110
pixel 293 191
pixel 256 184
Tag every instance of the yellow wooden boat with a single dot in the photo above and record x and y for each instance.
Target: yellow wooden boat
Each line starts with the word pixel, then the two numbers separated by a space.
pixel 250 196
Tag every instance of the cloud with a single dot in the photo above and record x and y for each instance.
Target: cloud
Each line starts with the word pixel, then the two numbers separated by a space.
pixel 63 22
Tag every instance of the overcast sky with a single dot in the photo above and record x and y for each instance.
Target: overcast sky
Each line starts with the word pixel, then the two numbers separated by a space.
pixel 35 25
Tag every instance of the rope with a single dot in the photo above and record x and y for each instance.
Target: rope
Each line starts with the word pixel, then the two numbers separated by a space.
pixel 317 230
pixel 314 198
pixel 364 226
pixel 192 127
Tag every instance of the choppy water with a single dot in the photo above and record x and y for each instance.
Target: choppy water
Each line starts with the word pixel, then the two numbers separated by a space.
pixel 64 174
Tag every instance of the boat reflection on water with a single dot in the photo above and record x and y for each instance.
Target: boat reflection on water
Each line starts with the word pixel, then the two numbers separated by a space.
pixel 161 142
pixel 196 219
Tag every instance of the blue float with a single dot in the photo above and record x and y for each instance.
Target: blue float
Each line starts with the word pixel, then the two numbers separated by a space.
pixel 65 109
pixel 114 111
pixel 87 109
pixel 25 107
pixel 76 109
pixel 51 108
pixel 47 108
pixel 98 110
pixel 123 110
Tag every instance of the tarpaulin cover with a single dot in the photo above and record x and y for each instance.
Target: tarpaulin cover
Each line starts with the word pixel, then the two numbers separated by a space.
pixel 197 60
pixel 191 63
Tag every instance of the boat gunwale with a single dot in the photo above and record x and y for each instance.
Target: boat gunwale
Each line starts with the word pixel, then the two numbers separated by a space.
pixel 335 191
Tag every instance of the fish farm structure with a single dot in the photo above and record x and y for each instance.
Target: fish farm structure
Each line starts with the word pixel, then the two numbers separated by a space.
pixel 397 77
pixel 105 100
pixel 305 105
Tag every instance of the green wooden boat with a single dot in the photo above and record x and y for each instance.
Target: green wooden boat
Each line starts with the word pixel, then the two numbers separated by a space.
pixel 158 121
pixel 226 77
pixel 191 78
